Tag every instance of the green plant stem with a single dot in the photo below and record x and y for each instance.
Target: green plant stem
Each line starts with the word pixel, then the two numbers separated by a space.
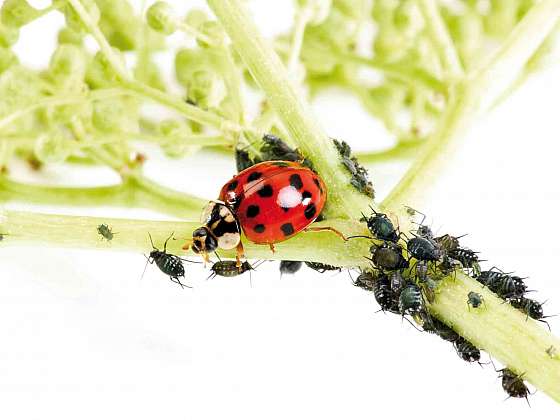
pixel 440 38
pixel 471 97
pixel 135 191
pixel 302 19
pixel 504 332
pixel 402 150
pixel 81 232
pixel 270 74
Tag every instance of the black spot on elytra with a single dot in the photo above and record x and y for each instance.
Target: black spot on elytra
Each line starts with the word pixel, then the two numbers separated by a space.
pixel 316 181
pixel 259 228
pixel 253 211
pixel 287 229
pixel 232 186
pixel 254 176
pixel 265 191
pixel 310 211
pixel 306 194
pixel 296 182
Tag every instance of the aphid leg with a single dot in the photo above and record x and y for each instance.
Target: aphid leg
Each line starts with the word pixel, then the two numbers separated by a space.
pixel 326 228
pixel 239 255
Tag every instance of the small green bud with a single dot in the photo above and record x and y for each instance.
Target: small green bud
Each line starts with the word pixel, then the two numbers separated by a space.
pixel 7 59
pixel 18 12
pixel 176 131
pixel 67 68
pixel 161 18
pixel 207 89
pixel 382 10
pixel 196 17
pixel 74 21
pixel 319 9
pixel 187 61
pixel 9 35
pixel 100 73
pixel 212 30
pixel 69 36
pixel 115 115
pixel 408 18
pixel 53 147
pixel 390 44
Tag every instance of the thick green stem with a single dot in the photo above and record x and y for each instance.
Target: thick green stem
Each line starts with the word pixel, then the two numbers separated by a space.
pixel 471 97
pixel 270 74
pixel 507 334
pixel 132 235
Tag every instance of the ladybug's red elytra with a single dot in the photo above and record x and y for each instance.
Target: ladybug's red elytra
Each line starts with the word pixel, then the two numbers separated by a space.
pixel 271 202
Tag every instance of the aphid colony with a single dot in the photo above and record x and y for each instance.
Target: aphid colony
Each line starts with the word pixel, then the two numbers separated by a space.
pixel 405 273
pixel 277 195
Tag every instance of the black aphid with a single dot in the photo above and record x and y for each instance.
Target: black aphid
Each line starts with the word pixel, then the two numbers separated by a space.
pixel 290 267
pixel 243 160
pixel 411 300
pixel 530 307
pixel 274 148
pixel 169 264
pixel 366 280
pixel 466 350
pixel 359 175
pixel 423 249
pixel 229 268
pixel 388 256
pixel 503 284
pixel 474 299
pixel 385 297
pixel 105 231
pixel 467 257
pixel 320 267
pixel 381 227
pixel 513 384
pixel 447 242
pixel 442 330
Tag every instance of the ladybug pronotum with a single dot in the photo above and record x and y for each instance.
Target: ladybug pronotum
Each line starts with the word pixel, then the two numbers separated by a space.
pixel 270 201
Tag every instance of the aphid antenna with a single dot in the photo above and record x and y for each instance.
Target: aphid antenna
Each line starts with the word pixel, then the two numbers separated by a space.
pixel 411 323
pixel 167 240
pixel 151 241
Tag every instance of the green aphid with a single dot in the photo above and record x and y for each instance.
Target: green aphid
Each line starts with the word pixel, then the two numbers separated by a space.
pixel 106 232
pixel 474 300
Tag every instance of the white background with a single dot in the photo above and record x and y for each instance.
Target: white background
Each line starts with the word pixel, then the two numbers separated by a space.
pixel 83 337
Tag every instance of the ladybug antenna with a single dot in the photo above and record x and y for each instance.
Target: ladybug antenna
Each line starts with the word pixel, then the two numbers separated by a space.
pixel 359 236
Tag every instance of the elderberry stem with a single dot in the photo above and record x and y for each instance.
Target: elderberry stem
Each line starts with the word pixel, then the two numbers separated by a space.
pixel 81 232
pixel 516 340
pixel 293 111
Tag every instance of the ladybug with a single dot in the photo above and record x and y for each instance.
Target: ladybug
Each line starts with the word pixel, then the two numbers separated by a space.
pixel 270 202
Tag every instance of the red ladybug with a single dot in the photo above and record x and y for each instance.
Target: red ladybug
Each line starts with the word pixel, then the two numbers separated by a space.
pixel 271 201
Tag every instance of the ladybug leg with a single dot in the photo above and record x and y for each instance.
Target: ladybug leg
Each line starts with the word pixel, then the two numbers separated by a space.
pixel 271 246
pixel 240 255
pixel 326 228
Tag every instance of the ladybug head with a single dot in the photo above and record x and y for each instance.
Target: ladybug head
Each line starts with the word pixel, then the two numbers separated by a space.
pixel 220 225
pixel 203 241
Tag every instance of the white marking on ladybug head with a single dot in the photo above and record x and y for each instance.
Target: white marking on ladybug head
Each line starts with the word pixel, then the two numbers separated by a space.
pixel 207 212
pixel 229 240
pixel 288 197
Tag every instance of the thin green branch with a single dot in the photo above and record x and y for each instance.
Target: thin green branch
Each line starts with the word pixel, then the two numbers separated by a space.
pixel 134 192
pixel 471 97
pixel 270 74
pixel 440 38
